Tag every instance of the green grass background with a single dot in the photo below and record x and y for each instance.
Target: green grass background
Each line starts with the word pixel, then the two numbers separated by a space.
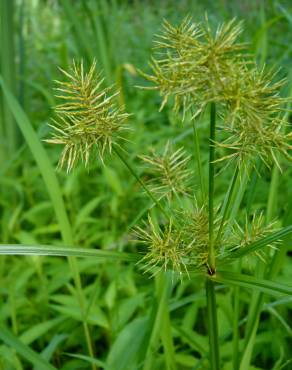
pixel 46 303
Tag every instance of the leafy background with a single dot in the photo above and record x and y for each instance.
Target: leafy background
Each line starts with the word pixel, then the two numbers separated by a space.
pixel 41 319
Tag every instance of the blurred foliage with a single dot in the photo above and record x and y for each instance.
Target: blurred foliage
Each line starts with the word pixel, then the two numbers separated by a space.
pixel 39 301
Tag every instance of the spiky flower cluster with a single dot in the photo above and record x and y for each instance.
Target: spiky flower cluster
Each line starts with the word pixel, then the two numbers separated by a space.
pixel 252 231
pixel 195 67
pixel 254 118
pixel 164 247
pixel 169 173
pixel 181 242
pixel 89 120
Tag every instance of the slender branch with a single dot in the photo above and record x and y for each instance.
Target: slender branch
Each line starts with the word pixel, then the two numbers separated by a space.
pixel 212 325
pixel 198 160
pixel 133 172
pixel 211 259
pixel 236 317
pixel 227 202
pixel 210 291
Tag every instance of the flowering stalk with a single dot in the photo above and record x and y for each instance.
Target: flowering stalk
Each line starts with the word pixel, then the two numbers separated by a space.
pixel 211 259
pixel 198 160
pixel 210 286
pixel 212 325
pixel 195 68
pixel 141 182
pixel 227 202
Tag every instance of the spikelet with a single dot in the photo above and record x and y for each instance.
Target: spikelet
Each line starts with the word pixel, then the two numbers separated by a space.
pixel 181 243
pixel 164 250
pixel 170 175
pixel 254 230
pixel 255 119
pixel 89 120
pixel 193 65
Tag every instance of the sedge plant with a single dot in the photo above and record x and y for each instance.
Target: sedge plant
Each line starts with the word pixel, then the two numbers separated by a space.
pixel 199 72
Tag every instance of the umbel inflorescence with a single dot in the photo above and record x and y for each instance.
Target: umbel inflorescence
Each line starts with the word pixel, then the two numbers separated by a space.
pixel 192 67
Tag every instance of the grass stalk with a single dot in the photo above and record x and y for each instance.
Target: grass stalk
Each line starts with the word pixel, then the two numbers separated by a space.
pixel 236 318
pixel 198 160
pixel 227 202
pixel 211 258
pixel 140 181
pixel 258 299
pixel 210 288
pixel 8 130
pixel 157 322
pixel 237 289
pixel 212 325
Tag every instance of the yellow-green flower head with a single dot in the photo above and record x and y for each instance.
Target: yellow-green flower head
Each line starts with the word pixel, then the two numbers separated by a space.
pixel 193 64
pixel 164 250
pixel 255 118
pixel 89 120
pixel 196 66
pixel 169 173
pixel 252 231
pixel 181 243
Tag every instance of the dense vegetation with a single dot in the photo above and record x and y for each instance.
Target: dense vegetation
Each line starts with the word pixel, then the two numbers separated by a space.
pixel 76 298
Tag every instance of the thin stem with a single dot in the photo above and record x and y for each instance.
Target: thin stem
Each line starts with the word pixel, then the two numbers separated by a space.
pixel 269 272
pixel 227 202
pixel 211 259
pixel 198 160
pixel 81 300
pixel 236 317
pixel 133 172
pixel 157 319
pixel 210 291
pixel 212 325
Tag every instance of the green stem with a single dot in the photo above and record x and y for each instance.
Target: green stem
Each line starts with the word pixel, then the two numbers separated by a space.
pixel 236 316
pixel 251 192
pixel 133 172
pixel 210 291
pixel 211 259
pixel 258 299
pixel 8 130
pixel 227 202
pixel 212 325
pixel 157 322
pixel 199 161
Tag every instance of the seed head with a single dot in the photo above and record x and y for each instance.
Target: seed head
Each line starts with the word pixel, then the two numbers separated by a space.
pixel 254 230
pixel 89 120
pixel 254 118
pixel 179 244
pixel 171 177
pixel 194 227
pixel 193 65
pixel 164 250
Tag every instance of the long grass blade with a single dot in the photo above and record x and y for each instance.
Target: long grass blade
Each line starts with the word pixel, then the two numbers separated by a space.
pixel 250 282
pixel 34 358
pixel 45 250
pixel 212 326
pixel 7 64
pixel 280 235
pixel 53 189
